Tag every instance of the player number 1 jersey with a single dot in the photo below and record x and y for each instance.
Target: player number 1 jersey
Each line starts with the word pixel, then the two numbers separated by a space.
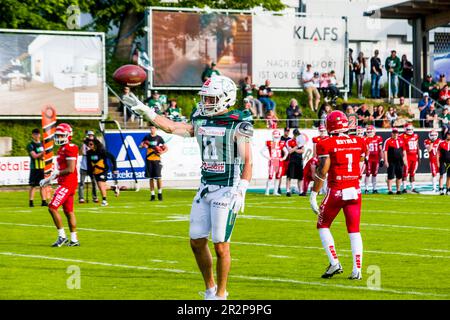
pixel 345 154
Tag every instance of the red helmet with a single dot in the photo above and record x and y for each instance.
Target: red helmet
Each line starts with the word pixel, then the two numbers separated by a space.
pixel 63 134
pixel 337 122
pixel 371 131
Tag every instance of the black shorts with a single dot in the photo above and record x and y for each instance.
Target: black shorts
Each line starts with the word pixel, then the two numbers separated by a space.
pixel 153 169
pixel 444 167
pixel 36 175
pixel 295 170
pixel 395 170
pixel 101 177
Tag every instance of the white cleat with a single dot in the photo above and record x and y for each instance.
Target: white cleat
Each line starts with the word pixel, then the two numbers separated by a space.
pixel 104 203
pixel 356 275
pixel 216 297
pixel 267 193
pixel 276 194
pixel 332 270
pixel 208 294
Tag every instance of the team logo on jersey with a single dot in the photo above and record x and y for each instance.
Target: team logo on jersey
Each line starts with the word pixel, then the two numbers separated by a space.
pixel 212 131
pixel 213 167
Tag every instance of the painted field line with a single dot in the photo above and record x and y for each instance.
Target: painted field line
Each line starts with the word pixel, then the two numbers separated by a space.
pixel 408 254
pixel 244 277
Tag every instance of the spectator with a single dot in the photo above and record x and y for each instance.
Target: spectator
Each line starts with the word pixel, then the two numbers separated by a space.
pixel 445 119
pixel 379 116
pixel 407 74
pixel 359 67
pixel 286 135
pixel 375 75
pixel 393 67
pixel 247 105
pixel 333 86
pixel 430 116
pixel 429 86
pixel 309 78
pixel 391 116
pixel 173 112
pixel 293 113
pixel 122 107
pixel 350 70
pixel 444 94
pixel 364 116
pixel 209 71
pixel 352 117
pixel 441 83
pixel 271 119
pixel 247 93
pixel 154 102
pixel 264 95
pixel 324 111
pixel 423 105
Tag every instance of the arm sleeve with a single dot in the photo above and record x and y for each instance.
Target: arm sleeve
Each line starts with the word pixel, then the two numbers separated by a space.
pixel 322 149
pixel 72 153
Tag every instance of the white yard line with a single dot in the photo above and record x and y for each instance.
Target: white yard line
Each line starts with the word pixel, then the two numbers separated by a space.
pixel 407 254
pixel 244 277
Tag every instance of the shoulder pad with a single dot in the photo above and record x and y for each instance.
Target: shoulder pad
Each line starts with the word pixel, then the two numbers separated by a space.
pixel 245 129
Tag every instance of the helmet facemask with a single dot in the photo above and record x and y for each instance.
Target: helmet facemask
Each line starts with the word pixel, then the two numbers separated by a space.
pixel 61 138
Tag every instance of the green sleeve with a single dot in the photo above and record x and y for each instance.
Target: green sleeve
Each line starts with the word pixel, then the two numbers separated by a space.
pixel 398 65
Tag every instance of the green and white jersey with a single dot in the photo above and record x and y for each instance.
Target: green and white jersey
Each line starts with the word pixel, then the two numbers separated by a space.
pixel 216 136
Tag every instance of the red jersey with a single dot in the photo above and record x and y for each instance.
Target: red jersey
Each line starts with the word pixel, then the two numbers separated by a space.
pixel 67 152
pixel 374 147
pixel 411 144
pixel 275 149
pixel 345 154
pixel 434 147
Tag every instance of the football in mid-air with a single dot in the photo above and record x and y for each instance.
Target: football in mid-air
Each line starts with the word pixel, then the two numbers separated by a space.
pixel 130 75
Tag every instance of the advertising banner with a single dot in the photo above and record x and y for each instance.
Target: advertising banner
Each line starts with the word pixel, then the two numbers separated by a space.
pixel 65 70
pixel 441 57
pixel 284 45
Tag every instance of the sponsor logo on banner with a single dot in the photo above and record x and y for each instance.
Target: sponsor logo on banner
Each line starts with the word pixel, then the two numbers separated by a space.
pixel 213 167
pixel 212 131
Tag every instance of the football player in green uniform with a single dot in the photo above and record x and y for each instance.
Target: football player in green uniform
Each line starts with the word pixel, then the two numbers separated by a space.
pixel 224 139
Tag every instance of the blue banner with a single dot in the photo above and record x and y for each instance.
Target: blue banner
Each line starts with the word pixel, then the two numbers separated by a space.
pixel 135 158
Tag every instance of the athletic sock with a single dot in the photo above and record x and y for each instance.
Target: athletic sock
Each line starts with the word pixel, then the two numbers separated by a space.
pixel 434 183
pixel 328 245
pixel 73 237
pixel 374 183
pixel 104 198
pixel 357 250
pixel 153 192
pixel 61 233
pixel 211 291
pixel 160 191
pixel 367 182
pixel 403 185
pixel 413 185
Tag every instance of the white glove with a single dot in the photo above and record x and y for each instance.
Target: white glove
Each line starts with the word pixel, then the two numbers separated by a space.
pixel 138 107
pixel 48 180
pixel 313 202
pixel 238 197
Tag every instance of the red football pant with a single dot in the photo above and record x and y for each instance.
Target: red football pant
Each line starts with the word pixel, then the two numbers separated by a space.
pixel 62 197
pixel 372 168
pixel 333 203
pixel 410 168
pixel 275 168
pixel 434 167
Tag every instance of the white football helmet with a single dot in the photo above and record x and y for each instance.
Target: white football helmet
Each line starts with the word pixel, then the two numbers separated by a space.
pixel 276 135
pixel 433 135
pixel 217 94
pixel 371 131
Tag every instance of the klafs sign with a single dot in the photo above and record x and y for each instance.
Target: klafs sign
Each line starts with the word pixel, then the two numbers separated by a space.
pixel 284 45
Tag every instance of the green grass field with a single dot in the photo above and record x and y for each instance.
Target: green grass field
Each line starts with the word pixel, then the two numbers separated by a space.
pixel 136 249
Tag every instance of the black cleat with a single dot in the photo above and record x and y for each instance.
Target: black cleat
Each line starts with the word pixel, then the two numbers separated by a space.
pixel 398 192
pixel 288 194
pixel 44 203
pixel 31 204
pixel 95 200
pixel 73 243
pixel 303 194
pixel 332 270
pixel 403 191
pixel 375 191
pixel 152 198
pixel 160 196
pixel 390 192
pixel 415 191
pixel 59 242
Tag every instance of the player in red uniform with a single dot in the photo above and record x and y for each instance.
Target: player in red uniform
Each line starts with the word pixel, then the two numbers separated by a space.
pixel 308 173
pixel 340 156
pixel 322 136
pixel 67 184
pixel 443 157
pixel 432 145
pixel 411 142
pixel 374 157
pixel 277 154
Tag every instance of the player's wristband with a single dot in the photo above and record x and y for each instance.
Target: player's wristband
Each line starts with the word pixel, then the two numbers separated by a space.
pixel 321 179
